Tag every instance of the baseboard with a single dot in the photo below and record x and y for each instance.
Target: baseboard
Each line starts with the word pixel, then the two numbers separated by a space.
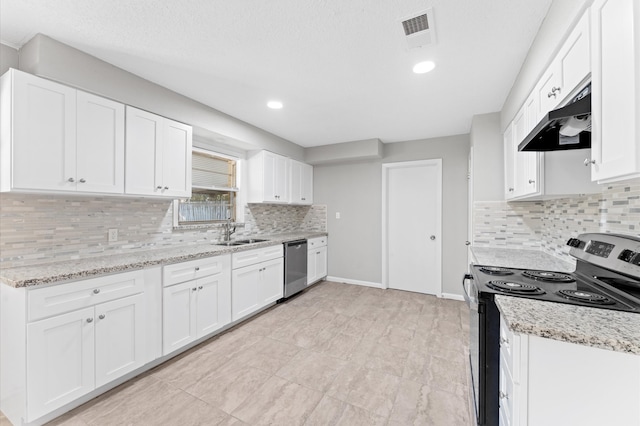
pixel 356 282
pixel 453 296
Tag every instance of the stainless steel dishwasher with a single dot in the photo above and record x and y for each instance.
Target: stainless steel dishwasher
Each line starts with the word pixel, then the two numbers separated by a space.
pixel 295 267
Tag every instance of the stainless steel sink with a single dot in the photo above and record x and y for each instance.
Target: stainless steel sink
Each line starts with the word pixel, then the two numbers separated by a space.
pixel 230 243
pixel 251 241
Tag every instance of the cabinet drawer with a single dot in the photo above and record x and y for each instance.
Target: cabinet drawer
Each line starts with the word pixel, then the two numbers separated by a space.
pixel 316 242
pixel 81 294
pixel 193 269
pixel 251 257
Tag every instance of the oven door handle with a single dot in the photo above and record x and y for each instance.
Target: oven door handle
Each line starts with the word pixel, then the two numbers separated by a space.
pixel 471 301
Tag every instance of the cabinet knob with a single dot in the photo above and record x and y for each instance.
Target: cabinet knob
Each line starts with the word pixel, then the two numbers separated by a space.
pixel 531 181
pixel 554 91
pixel 102 316
pixel 200 288
pixel 510 189
pixel 504 341
pixel 587 162
pixel 71 180
pixel 504 395
pixel 317 252
pixel 166 187
pixel 467 243
pixel 82 180
pixel 194 289
pixel 158 187
pixel 197 268
pixel 432 238
pixel 96 290
pixel 89 319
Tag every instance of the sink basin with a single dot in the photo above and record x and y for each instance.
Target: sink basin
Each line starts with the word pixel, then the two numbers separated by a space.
pixel 230 243
pixel 251 241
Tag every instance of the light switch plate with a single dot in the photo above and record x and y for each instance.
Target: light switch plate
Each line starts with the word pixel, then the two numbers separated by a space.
pixel 112 235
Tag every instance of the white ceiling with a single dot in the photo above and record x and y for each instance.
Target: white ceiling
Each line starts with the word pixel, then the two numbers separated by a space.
pixel 341 67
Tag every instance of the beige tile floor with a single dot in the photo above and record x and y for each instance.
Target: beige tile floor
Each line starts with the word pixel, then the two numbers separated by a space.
pixel 337 354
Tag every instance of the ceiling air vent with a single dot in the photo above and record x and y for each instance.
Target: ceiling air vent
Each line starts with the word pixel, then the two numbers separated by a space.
pixel 419 29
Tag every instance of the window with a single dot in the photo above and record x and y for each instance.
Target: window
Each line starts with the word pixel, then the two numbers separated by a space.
pixel 214 190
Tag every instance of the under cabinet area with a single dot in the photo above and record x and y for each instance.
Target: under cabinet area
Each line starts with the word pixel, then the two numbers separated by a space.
pixel 316 259
pixel 79 336
pixel 196 300
pixel 59 139
pixel 545 381
pixel 257 280
pixel 158 155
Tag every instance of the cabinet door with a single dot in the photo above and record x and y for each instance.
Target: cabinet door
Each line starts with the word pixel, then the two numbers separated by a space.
pixel 301 183
pixel 311 266
pixel 143 160
pixel 615 149
pixel 307 184
pixel 574 58
pixel 244 291
pixel 176 159
pixel 509 164
pixel 281 179
pixel 549 91
pixel 120 338
pixel 44 134
pixel 100 144
pixel 321 263
pixel 60 361
pixel 271 281
pixel 269 179
pixel 213 303
pixel 179 316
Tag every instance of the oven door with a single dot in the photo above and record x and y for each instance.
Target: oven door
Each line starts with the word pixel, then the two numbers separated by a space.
pixel 471 297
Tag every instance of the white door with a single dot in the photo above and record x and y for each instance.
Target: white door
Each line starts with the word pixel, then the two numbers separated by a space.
pixel 100 144
pixel 60 361
pixel 412 210
pixel 120 338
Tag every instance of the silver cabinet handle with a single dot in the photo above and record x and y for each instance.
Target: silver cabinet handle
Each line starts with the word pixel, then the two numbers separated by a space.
pixel 89 319
pixel 587 162
pixel 554 92
pixel 317 252
pixel 82 180
pixel 200 288
pixel 102 316
pixel 432 238
pixel 531 181
pixel 71 180
pixel 158 187
pixel 504 395
pixel 166 187
pixel 510 189
pixel 194 289
pixel 197 268
pixel 96 290
pixel 504 341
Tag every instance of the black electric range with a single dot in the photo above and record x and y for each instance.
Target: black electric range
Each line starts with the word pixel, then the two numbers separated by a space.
pixel 607 276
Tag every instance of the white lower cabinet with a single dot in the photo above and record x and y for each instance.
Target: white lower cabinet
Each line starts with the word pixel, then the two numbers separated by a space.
pixel 550 382
pixel 316 259
pixel 258 284
pixel 61 342
pixel 199 307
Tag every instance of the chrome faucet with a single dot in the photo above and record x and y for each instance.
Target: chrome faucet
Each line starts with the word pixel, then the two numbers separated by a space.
pixel 228 231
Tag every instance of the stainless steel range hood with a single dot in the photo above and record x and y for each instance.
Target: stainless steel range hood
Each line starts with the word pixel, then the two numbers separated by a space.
pixel 565 128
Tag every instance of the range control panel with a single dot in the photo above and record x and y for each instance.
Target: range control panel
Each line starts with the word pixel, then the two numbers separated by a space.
pixel 612 251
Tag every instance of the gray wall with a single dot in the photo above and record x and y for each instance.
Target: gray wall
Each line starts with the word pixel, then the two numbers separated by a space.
pixel 562 15
pixel 355 190
pixel 488 157
pixel 49 58
pixel 8 58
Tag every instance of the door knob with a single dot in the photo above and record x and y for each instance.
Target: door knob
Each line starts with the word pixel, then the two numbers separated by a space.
pixel 433 237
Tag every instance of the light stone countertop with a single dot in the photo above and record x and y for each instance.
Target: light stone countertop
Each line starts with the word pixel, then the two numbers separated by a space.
pixel 28 276
pixel 520 258
pixel 600 328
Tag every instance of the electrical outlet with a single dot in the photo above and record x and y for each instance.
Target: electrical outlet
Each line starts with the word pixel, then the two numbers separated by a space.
pixel 112 235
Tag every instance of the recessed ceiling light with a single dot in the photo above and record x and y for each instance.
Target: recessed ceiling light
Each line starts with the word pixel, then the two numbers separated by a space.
pixel 274 104
pixel 423 67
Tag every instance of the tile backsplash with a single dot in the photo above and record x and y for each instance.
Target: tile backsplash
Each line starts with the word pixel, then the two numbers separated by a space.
pixel 547 225
pixel 37 229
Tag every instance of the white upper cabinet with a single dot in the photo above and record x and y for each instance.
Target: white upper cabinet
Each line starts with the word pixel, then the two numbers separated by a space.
pixel 301 183
pixel 509 163
pixel 158 155
pixel 56 138
pixel 615 99
pixel 268 178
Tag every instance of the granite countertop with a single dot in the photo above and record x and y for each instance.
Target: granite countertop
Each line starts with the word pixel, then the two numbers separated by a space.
pixel 28 276
pixel 600 328
pixel 521 259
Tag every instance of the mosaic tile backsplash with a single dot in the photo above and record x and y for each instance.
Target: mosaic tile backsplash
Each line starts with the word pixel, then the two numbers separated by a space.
pixel 547 225
pixel 36 229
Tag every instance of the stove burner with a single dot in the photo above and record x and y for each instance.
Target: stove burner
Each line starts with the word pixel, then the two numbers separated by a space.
pixel 495 270
pixel 548 276
pixel 585 296
pixel 514 288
